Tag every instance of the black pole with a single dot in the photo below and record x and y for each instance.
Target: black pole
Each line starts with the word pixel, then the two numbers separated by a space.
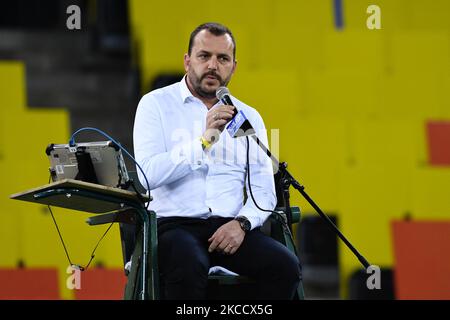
pixel 301 189
pixel 287 203
pixel 287 180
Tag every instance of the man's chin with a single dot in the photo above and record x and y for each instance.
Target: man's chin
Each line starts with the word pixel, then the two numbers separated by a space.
pixel 210 88
pixel 205 91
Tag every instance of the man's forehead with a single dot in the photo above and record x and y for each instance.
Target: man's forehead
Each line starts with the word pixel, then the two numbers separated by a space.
pixel 207 41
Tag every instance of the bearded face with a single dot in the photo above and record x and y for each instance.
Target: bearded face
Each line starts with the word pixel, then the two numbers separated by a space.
pixel 211 63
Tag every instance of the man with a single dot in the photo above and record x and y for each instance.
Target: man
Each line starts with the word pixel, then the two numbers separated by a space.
pixel 196 173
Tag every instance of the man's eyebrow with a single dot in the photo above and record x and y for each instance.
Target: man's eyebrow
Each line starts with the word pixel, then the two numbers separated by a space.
pixel 209 53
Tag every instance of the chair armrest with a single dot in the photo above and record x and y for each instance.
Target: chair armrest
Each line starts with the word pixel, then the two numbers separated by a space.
pixel 276 226
pixel 296 214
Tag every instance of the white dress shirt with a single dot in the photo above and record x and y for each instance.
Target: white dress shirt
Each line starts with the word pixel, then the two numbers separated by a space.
pixel 184 179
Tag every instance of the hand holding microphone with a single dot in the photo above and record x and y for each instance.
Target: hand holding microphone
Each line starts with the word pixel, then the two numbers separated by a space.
pixel 239 126
pixel 216 119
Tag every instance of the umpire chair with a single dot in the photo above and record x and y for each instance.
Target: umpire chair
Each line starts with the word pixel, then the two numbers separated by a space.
pixel 221 286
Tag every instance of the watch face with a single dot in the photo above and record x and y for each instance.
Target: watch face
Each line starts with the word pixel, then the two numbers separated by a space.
pixel 245 223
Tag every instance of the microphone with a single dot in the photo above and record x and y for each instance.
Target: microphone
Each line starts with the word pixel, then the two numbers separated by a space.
pixel 239 126
pixel 223 94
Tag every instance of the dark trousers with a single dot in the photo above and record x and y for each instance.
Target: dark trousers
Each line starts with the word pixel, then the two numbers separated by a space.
pixel 184 260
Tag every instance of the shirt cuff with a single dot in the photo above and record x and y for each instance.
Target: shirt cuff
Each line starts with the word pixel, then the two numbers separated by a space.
pixel 255 221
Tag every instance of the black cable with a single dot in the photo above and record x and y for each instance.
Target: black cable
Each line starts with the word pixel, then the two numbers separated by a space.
pixel 98 243
pixel 248 179
pixel 282 218
pixel 60 236
pixel 64 245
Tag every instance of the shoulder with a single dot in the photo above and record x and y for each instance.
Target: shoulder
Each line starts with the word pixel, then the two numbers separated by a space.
pixel 160 96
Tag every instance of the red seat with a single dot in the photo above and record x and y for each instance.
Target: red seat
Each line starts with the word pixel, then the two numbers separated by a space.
pixel 422 260
pixel 101 284
pixel 29 284
pixel 438 136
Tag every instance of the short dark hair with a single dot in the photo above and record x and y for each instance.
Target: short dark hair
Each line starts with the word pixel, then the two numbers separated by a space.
pixel 216 29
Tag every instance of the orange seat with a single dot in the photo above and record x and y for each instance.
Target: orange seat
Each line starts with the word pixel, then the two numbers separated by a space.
pixel 422 260
pixel 29 284
pixel 101 284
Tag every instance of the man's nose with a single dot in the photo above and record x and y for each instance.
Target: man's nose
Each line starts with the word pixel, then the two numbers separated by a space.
pixel 212 64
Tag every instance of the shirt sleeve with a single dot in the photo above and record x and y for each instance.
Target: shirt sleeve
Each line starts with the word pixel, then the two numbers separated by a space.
pixel 161 166
pixel 261 179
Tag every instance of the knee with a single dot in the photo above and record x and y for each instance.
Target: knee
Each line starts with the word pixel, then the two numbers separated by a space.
pixel 293 268
pixel 282 278
pixel 287 269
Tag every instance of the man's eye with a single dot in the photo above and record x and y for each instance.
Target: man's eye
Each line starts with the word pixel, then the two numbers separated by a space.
pixel 224 59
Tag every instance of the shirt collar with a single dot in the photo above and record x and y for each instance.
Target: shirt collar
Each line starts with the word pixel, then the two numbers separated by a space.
pixel 184 90
pixel 186 93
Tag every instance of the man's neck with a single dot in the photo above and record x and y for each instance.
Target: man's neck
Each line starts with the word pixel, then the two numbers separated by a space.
pixel 209 103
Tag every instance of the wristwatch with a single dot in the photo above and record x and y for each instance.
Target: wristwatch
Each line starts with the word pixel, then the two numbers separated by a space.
pixel 244 223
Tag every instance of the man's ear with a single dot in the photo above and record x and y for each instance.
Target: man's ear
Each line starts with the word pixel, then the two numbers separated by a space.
pixel 187 62
pixel 234 66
